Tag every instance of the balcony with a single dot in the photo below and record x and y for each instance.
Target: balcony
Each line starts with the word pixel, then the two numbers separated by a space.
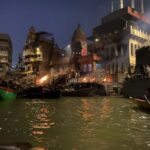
pixel 26 53
pixel 5 53
pixel 29 60
pixel 4 61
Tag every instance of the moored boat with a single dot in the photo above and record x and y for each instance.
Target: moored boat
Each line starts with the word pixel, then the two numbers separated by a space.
pixel 79 93
pixel 100 88
pixel 142 103
pixel 79 90
pixel 40 92
pixel 7 93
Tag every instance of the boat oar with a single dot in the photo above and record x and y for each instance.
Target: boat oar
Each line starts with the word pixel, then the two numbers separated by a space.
pixel 147 99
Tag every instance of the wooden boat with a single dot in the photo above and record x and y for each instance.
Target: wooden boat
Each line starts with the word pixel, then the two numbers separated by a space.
pixel 100 88
pixel 7 93
pixel 83 92
pixel 142 103
pixel 79 90
pixel 15 146
pixel 39 92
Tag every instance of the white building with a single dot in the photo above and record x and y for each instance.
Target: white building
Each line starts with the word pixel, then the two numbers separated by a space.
pixel 120 34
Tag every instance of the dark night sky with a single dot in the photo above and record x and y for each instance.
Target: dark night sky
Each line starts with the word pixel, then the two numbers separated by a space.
pixel 59 17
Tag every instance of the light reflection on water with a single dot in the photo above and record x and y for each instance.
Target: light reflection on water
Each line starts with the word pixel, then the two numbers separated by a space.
pixel 105 123
pixel 41 120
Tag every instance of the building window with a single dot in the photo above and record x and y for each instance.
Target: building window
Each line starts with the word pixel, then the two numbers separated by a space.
pixel 29 68
pixel 113 68
pixel 116 67
pixel 85 68
pixel 107 53
pixel 122 68
pixel 1 68
pixel 135 46
pixel 108 68
pixel 119 50
pixel 116 53
pixel 112 52
pixel 132 50
pixel 89 67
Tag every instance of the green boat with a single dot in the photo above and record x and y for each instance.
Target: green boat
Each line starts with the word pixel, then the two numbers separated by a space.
pixel 7 93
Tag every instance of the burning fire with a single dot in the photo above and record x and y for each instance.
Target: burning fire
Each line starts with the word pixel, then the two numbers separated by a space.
pixel 107 79
pixel 88 79
pixel 42 80
pixel 85 79
pixel 104 80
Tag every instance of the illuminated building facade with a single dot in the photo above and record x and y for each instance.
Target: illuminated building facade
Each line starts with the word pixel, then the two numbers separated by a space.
pixel 5 54
pixel 38 52
pixel 82 54
pixel 120 34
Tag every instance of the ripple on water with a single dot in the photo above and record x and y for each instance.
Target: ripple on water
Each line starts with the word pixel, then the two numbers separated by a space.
pixel 77 123
pixel 148 143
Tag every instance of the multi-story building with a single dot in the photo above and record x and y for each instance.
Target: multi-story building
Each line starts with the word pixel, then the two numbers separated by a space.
pixel 81 52
pixel 38 52
pixel 5 53
pixel 120 34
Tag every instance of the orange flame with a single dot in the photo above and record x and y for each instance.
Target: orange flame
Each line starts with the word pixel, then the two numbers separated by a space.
pixel 107 79
pixel 42 80
pixel 88 79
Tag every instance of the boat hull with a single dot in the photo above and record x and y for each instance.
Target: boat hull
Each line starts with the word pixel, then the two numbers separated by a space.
pixel 39 92
pixel 141 103
pixel 44 95
pixel 80 93
pixel 7 94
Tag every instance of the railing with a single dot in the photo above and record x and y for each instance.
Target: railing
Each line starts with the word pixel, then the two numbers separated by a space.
pixel 32 59
pixel 4 61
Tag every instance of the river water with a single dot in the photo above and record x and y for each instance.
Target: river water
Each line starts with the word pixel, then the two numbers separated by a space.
pixel 95 123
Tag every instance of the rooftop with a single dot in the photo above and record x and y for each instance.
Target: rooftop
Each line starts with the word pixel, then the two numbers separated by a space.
pixel 126 13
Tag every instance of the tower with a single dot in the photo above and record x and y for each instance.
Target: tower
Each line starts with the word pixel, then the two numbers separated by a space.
pixel 121 4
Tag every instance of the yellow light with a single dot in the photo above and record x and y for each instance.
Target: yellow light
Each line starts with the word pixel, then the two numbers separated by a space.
pixel 68 46
pixel 96 40
pixel 44 78
pixel 104 80
pixel 38 49
pixel 85 79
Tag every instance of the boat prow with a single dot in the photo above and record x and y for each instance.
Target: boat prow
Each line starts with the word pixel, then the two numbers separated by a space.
pixel 86 92
pixel 7 93
pixel 142 103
